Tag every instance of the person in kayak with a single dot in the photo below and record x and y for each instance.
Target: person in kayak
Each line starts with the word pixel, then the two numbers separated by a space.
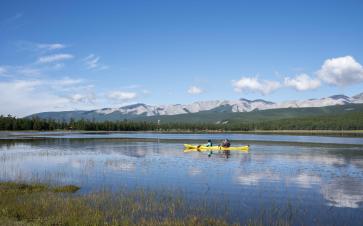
pixel 226 143
pixel 209 144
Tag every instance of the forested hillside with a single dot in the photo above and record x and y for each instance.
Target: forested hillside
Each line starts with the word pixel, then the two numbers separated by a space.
pixel 338 120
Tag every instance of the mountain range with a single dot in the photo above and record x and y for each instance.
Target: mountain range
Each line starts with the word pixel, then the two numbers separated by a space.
pixel 142 111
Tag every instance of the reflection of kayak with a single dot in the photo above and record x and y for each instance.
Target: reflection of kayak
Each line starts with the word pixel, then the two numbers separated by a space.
pixel 190 147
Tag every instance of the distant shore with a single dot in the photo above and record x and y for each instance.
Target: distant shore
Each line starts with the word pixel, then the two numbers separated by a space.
pixel 351 133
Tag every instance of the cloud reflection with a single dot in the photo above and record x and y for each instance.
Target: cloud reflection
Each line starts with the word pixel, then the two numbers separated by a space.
pixel 344 192
pixel 120 165
pixel 255 178
pixel 194 171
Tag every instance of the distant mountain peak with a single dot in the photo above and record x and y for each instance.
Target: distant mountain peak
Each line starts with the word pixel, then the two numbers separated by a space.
pixel 133 106
pixel 264 101
pixel 339 96
pixel 256 100
pixel 218 106
pixel 246 100
pixel 358 96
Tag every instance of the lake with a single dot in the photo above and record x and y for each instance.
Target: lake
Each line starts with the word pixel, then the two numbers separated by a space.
pixel 318 178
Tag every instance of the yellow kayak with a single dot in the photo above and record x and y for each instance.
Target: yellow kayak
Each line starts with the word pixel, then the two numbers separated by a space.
pixel 190 147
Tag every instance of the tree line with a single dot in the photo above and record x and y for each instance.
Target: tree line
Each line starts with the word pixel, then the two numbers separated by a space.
pixel 348 121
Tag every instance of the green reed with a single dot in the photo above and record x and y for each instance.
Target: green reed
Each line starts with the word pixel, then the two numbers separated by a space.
pixel 41 204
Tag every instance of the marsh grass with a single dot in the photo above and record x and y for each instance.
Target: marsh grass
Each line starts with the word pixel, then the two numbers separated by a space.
pixel 66 188
pixel 21 188
pixel 40 204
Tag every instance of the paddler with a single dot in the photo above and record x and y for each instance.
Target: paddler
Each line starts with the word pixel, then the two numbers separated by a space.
pixel 226 143
pixel 209 144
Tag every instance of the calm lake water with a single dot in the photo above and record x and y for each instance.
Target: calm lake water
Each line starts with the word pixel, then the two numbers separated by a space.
pixel 203 136
pixel 320 184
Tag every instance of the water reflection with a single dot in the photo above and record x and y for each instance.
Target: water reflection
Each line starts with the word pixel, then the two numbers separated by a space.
pixel 120 165
pixel 314 177
pixel 256 178
pixel 188 136
pixel 337 175
pixel 344 192
pixel 193 171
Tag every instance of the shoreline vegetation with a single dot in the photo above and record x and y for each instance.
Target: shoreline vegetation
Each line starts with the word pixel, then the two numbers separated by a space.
pixel 41 204
pixel 176 131
pixel 337 126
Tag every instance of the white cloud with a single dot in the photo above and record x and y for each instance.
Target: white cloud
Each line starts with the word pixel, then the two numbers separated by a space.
pixel 302 82
pixel 145 92
pixel 77 97
pixel 133 86
pixel 255 85
pixel 28 71
pixel 341 71
pixel 92 62
pixel 87 98
pixel 3 71
pixel 76 90
pixel 55 58
pixel 194 90
pixel 68 81
pixel 122 96
pixel 39 48
pixel 51 46
pixel 17 72
pixel 25 85
pixel 24 97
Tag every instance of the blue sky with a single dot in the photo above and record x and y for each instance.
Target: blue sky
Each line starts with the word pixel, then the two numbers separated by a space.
pixel 70 55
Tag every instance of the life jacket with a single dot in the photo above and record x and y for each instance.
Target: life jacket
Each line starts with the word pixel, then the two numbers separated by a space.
pixel 226 144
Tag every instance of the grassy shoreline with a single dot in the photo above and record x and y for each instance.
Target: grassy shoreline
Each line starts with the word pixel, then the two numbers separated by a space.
pixel 41 204
pixel 36 204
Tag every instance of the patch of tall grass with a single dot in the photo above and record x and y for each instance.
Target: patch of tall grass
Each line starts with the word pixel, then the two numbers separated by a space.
pixel 40 204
